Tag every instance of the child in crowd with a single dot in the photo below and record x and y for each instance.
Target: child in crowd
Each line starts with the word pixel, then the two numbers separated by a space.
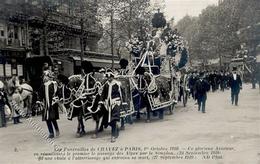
pixel 17 106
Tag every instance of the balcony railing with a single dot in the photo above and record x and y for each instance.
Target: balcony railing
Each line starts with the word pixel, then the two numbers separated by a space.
pixel 10 43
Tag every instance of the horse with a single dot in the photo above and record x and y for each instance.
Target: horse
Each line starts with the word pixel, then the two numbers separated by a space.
pixel 146 95
pixel 82 102
pixel 25 90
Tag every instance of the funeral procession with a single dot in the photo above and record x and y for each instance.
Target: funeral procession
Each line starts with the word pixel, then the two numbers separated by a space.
pixel 130 81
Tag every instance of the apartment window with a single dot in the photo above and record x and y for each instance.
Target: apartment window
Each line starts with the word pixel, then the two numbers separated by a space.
pixel 16 32
pixel 10 30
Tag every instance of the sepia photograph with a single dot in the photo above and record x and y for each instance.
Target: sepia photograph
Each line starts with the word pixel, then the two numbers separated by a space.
pixel 130 81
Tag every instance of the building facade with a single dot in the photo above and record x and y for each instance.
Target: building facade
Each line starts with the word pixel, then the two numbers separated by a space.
pixel 48 28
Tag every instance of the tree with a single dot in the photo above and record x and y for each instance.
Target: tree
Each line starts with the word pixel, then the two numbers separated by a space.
pixel 85 12
pixel 124 18
pixel 46 8
pixel 135 15
pixel 214 34
pixel 188 27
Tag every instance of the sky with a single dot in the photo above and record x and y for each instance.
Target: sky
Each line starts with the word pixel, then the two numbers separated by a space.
pixel 180 8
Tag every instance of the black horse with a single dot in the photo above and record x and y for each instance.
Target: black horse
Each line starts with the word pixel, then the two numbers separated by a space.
pixel 81 103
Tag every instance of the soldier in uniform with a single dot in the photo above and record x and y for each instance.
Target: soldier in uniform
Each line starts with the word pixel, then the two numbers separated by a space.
pixel 89 90
pixel 111 98
pixel 50 113
pixel 123 71
pixel 142 93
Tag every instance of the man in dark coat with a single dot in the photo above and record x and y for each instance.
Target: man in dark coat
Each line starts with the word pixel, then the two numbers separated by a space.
pixel 126 91
pixel 235 84
pixel 142 94
pixel 201 89
pixel 51 112
pixel 85 92
pixel 3 102
pixel 111 98
pixel 222 81
pixel 192 81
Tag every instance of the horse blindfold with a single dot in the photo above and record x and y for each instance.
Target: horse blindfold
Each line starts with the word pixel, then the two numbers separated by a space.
pixel 110 74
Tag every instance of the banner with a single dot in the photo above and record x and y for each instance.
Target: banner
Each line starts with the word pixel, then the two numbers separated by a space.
pixel 1 70
pixel 20 70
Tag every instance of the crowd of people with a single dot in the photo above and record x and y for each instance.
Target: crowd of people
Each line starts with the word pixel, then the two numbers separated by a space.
pixel 200 83
pixel 10 93
pixel 14 102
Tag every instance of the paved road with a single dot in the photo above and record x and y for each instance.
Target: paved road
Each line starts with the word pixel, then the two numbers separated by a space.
pixel 235 130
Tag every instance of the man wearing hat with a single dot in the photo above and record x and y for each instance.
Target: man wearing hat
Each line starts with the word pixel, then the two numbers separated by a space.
pixel 191 84
pixel 87 73
pixel 111 98
pixel 201 89
pixel 142 98
pixel 88 89
pixel 235 84
pixel 126 88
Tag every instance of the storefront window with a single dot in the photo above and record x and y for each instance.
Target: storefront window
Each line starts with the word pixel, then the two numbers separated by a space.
pixel 1 70
pixel 2 31
pixel 15 32
pixel 8 70
pixel 10 31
